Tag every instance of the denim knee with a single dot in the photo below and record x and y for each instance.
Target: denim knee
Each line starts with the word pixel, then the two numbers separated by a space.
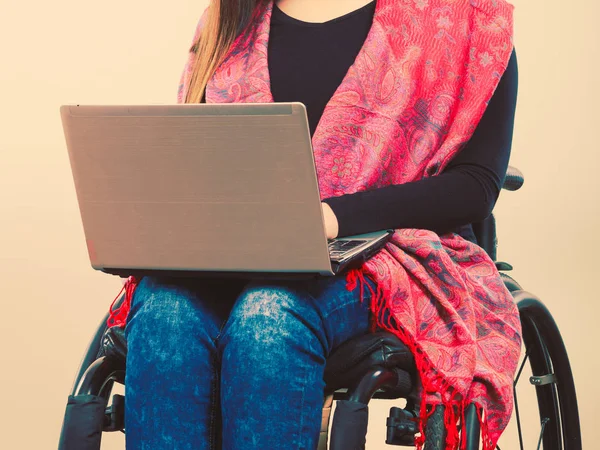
pixel 165 317
pixel 269 315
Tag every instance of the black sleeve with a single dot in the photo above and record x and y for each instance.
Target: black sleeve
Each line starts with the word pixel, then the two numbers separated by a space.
pixel 464 193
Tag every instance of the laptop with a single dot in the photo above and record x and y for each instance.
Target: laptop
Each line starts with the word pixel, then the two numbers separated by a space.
pixel 203 189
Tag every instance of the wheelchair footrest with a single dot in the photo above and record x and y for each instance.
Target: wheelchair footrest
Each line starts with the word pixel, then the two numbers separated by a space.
pixel 402 426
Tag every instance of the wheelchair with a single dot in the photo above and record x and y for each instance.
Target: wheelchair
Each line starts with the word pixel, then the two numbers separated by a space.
pixel 375 365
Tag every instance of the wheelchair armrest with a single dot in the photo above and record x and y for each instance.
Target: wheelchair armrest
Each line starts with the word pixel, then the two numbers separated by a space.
pixel 353 359
pixel 514 179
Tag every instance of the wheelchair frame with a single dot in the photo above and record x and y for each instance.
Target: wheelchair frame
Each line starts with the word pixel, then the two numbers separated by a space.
pixel 88 415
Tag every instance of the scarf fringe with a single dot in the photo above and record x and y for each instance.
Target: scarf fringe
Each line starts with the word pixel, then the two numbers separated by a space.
pixel 432 382
pixel 118 317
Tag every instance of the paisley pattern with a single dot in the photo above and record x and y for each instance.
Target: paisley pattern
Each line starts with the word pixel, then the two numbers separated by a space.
pixel 413 97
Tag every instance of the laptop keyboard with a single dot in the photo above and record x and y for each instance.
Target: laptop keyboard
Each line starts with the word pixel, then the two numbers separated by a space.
pixel 338 248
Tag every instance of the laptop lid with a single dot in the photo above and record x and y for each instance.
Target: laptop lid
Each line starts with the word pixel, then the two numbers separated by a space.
pixel 197 187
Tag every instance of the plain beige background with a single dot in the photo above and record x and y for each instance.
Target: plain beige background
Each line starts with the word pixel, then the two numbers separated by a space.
pixel 107 52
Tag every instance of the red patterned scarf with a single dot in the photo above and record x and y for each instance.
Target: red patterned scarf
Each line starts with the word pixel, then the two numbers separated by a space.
pixel 410 101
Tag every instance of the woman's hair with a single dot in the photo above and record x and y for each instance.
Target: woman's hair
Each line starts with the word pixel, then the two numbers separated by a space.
pixel 225 21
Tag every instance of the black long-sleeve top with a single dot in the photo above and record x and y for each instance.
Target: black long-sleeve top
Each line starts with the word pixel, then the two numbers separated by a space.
pixel 307 63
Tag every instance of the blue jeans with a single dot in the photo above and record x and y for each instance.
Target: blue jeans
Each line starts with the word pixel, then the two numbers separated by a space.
pixel 232 364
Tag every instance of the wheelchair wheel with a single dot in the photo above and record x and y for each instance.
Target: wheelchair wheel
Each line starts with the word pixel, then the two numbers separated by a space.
pixel 551 376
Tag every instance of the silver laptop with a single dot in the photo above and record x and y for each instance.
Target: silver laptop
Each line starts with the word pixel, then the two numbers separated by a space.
pixel 219 189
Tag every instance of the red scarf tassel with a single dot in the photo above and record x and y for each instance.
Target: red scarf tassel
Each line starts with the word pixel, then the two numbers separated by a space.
pixel 454 408
pixel 118 316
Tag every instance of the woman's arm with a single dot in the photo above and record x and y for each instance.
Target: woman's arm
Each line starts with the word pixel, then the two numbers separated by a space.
pixel 465 192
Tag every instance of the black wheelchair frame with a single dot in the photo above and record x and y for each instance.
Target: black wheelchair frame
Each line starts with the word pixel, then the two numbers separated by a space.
pixel 376 365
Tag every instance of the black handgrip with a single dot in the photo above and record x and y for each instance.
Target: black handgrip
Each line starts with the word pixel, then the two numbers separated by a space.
pixel 514 179
pixel 435 432
pixel 404 385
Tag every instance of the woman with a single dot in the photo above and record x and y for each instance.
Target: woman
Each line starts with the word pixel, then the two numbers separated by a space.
pixel 396 93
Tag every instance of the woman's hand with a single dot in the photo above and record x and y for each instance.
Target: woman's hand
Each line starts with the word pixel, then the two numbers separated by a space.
pixel 331 223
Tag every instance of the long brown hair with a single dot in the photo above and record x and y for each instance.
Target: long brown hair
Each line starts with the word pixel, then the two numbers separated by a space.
pixel 225 21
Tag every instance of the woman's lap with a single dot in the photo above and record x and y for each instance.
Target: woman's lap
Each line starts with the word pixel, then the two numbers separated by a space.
pixel 170 364
pixel 257 335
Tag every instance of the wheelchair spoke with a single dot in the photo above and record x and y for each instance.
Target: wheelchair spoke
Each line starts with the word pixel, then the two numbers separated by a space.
pixel 518 420
pixel 516 400
pixel 521 368
pixel 544 422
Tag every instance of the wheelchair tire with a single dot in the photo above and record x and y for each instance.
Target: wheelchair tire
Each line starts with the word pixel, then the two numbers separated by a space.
pixel 552 375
